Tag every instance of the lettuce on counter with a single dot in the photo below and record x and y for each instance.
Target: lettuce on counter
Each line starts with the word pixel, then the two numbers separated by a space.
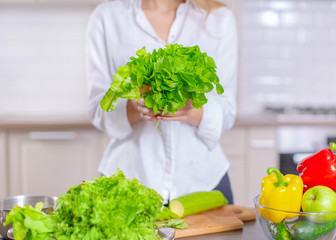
pixel 106 208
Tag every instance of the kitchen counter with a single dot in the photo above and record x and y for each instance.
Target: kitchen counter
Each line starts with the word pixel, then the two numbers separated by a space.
pixel 82 121
pixel 44 122
pixel 285 120
pixel 251 231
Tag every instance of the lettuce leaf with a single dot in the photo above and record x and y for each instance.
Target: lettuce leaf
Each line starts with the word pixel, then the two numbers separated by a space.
pixel 31 223
pixel 165 213
pixel 174 223
pixel 174 74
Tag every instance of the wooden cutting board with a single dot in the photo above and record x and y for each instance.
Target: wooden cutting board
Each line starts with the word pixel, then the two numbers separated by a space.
pixel 230 217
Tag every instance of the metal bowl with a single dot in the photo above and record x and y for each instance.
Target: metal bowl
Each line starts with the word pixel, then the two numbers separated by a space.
pixel 165 233
pixel 6 204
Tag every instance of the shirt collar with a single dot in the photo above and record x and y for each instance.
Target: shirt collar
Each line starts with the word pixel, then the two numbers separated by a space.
pixel 147 27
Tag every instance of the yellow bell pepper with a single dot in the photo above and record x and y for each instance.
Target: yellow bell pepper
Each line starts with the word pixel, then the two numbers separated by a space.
pixel 280 192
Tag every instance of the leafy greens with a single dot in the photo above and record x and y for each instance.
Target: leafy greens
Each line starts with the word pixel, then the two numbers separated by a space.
pixel 174 223
pixel 174 74
pixel 31 223
pixel 165 213
pixel 113 208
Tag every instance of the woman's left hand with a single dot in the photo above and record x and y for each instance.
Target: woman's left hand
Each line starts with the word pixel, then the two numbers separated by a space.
pixel 187 113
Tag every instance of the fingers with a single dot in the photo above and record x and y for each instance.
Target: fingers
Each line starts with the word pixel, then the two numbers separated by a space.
pixel 145 110
pixel 147 113
pixel 141 102
pixel 180 115
pixel 173 118
pixel 147 117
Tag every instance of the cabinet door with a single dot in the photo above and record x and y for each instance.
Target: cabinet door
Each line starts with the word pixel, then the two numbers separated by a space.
pixel 262 154
pixel 3 165
pixel 237 174
pixel 234 145
pixel 48 163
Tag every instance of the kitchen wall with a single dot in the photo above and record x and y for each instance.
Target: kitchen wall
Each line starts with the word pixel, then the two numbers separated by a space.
pixel 288 54
pixel 42 58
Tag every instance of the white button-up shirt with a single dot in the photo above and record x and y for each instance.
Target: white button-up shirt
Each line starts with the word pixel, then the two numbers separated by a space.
pixel 184 158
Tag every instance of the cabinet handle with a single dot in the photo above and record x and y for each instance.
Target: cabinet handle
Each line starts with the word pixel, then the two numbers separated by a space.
pixel 263 144
pixel 52 135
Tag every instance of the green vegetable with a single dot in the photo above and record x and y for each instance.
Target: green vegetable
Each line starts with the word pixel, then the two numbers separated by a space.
pixel 197 202
pixel 306 230
pixel 174 223
pixel 113 208
pixel 174 74
pixel 164 214
pixel 279 231
pixel 31 223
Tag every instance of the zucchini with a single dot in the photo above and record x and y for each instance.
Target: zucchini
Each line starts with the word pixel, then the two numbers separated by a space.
pixel 306 230
pixel 279 231
pixel 197 202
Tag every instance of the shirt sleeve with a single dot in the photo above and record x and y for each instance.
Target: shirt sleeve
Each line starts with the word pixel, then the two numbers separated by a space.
pixel 220 111
pixel 100 70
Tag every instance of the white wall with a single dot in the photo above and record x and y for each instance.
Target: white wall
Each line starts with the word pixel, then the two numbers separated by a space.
pixel 42 58
pixel 288 53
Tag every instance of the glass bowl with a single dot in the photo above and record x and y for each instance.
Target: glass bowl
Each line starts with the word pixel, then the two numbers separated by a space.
pixel 301 225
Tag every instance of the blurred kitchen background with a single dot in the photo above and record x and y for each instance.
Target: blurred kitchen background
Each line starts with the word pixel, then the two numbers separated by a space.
pixel 287 104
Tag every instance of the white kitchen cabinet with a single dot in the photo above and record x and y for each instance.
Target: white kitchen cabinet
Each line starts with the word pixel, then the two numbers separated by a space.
pixel 234 143
pixel 49 162
pixel 250 150
pixel 237 174
pixel 262 154
pixel 3 164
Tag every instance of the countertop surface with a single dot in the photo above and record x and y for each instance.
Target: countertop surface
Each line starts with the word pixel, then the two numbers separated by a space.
pixel 251 231
pixel 82 121
pixel 286 120
pixel 49 122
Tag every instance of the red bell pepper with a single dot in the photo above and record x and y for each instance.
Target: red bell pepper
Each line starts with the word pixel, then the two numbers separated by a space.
pixel 319 169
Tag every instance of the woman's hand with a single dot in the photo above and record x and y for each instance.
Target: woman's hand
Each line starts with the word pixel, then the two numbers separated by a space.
pixel 187 113
pixel 138 111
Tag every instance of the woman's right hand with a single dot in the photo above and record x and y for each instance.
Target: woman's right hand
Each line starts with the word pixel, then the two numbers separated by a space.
pixel 138 111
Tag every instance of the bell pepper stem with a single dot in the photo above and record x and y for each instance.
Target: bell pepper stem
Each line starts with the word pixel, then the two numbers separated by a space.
pixel 281 181
pixel 332 146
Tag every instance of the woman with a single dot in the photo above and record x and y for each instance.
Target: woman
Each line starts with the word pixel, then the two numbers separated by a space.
pixel 187 156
